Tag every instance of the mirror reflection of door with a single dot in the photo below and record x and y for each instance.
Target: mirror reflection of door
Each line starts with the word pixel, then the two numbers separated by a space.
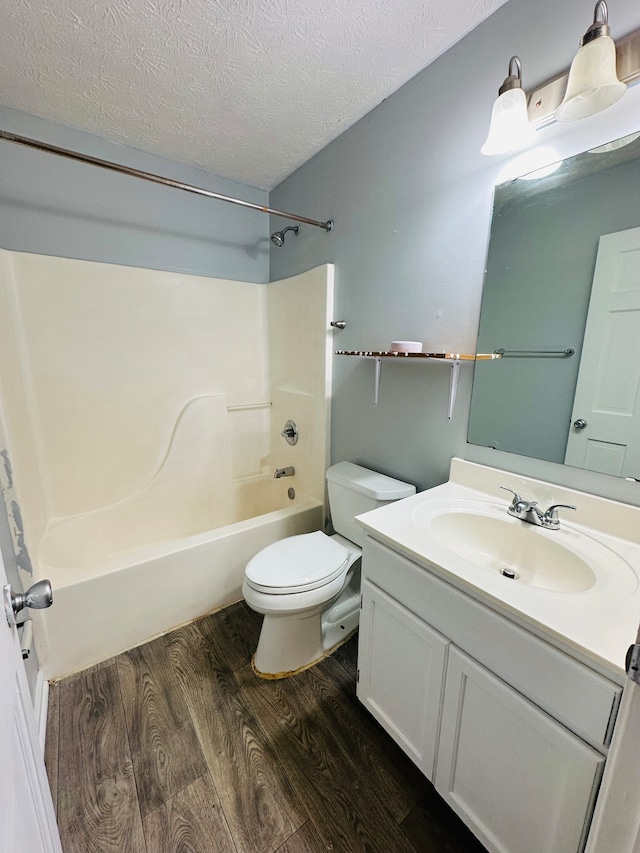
pixel 608 390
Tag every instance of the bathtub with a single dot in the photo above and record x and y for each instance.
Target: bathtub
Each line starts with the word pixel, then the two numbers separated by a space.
pixel 113 590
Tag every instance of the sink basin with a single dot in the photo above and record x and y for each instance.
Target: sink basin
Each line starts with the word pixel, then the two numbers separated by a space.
pixel 483 535
pixel 517 553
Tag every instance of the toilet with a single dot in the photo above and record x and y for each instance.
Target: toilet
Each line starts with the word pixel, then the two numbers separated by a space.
pixel 308 587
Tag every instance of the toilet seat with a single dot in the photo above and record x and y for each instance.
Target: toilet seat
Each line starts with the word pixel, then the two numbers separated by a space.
pixel 297 564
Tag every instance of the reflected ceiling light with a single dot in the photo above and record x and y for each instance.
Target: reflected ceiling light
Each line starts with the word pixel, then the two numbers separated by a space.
pixel 615 144
pixel 542 172
pixel 593 81
pixel 509 128
pixel 532 162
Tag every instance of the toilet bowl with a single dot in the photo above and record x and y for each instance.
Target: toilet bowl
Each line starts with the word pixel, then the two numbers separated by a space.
pixel 308 587
pixel 292 583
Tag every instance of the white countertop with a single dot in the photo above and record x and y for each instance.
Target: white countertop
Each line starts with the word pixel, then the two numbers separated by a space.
pixel 596 625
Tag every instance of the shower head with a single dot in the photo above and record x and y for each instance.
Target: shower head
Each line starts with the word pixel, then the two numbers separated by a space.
pixel 277 238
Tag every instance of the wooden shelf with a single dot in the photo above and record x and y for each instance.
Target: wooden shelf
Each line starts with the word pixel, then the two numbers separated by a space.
pixel 434 356
pixel 453 359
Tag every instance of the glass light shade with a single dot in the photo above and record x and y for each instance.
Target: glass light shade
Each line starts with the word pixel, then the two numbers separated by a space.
pixel 510 128
pixel 593 82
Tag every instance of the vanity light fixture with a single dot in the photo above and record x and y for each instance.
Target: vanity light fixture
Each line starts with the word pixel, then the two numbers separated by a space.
pixel 593 81
pixel 509 128
pixel 599 76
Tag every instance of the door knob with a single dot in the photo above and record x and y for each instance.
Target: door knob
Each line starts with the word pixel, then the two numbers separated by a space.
pixel 580 423
pixel 38 596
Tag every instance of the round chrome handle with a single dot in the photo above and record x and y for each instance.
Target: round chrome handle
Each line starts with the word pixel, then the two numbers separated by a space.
pixel 37 597
pixel 580 423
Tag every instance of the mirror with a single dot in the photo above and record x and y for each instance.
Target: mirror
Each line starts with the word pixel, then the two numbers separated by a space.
pixel 545 259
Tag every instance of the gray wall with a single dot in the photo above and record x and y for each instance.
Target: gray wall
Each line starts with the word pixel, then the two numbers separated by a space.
pixel 54 206
pixel 411 196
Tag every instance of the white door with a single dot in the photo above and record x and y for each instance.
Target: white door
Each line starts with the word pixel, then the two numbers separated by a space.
pixel 616 821
pixel 605 425
pixel 27 820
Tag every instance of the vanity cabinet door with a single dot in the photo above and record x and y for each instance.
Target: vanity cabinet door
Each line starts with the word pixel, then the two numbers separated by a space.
pixel 521 781
pixel 401 675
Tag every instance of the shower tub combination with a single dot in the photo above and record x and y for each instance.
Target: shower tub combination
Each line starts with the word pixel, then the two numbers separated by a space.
pixel 169 552
pixel 106 603
pixel 144 439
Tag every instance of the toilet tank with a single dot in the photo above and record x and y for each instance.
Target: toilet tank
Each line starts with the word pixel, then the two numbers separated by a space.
pixel 353 490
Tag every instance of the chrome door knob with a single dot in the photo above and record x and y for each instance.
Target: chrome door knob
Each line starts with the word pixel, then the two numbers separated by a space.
pixel 580 423
pixel 37 597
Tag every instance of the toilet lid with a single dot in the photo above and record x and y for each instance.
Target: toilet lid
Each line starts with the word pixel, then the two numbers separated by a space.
pixel 296 564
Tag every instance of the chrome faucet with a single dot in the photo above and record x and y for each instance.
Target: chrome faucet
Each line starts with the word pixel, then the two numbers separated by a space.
pixel 530 512
pixel 284 472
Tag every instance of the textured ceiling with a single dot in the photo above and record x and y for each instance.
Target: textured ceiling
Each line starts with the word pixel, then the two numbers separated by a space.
pixel 248 89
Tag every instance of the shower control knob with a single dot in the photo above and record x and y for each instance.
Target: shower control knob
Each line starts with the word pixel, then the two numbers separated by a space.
pixel 37 597
pixel 290 432
pixel 580 423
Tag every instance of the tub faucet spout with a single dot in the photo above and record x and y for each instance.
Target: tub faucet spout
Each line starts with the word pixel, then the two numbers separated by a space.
pixel 284 472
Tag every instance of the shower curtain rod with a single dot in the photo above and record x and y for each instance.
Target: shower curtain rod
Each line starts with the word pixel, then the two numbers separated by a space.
pixel 156 179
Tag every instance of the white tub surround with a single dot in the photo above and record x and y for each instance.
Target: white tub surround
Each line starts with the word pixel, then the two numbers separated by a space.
pixel 143 412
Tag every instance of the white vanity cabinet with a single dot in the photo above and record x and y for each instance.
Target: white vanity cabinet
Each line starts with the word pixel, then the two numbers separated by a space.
pixel 400 674
pixel 520 780
pixel 512 731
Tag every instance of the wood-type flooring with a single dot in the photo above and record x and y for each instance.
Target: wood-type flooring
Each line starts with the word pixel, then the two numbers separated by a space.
pixel 177 747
